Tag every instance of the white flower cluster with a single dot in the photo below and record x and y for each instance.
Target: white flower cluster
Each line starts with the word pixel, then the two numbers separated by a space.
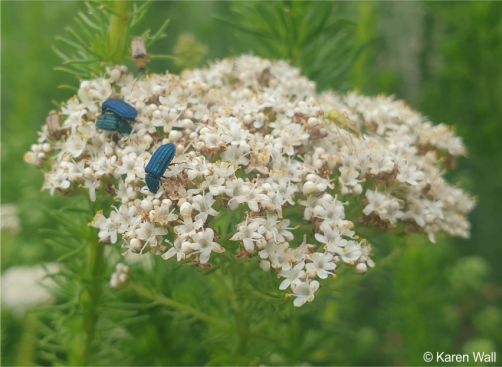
pixel 120 277
pixel 254 137
pixel 23 287
pixel 9 218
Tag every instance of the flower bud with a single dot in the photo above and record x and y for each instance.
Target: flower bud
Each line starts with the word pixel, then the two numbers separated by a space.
pixel 361 268
pixel 115 75
pixel 146 205
pixel 309 188
pixel 174 136
pixel 135 245
pixel 186 209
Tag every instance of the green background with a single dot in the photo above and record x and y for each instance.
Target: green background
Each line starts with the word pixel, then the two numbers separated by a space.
pixel 444 59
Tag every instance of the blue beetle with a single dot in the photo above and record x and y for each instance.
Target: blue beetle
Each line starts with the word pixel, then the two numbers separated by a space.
pixel 110 122
pixel 119 108
pixel 158 164
pixel 107 122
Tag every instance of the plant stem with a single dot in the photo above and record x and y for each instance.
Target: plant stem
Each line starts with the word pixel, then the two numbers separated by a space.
pixel 240 316
pixel 88 303
pixel 241 325
pixel 365 30
pixel 119 26
pixel 28 343
pixel 185 309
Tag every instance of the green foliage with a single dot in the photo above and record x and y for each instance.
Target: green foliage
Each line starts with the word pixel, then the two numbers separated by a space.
pixel 75 328
pixel 27 74
pixel 469 274
pixel 101 37
pixel 468 81
pixel 189 53
pixel 309 35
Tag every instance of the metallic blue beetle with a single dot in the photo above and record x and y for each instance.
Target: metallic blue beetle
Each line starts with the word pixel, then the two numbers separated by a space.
pixel 158 164
pixel 119 108
pixel 110 122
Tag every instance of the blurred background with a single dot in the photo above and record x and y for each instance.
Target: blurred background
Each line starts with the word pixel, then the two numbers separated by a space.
pixel 443 58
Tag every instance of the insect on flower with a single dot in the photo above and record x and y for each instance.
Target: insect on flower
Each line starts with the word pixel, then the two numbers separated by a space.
pixel 110 122
pixel 343 121
pixel 158 164
pixel 139 54
pixel 120 108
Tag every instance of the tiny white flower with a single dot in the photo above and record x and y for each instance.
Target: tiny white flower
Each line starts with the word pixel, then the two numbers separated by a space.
pixel 304 291
pixel 120 277
pixel 409 173
pixel 237 190
pixel 203 204
pixel 107 228
pixel 132 167
pixel 148 232
pixel 349 251
pixel 204 245
pixel 291 275
pixel 188 227
pixel 179 249
pixel 75 145
pixel 321 265
pixel 236 154
pixel 248 234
